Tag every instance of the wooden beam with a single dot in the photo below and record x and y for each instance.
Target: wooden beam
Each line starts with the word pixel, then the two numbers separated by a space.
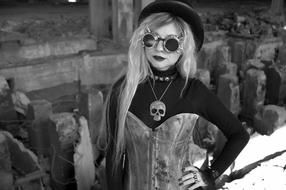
pixel 115 20
pixel 90 68
pixel 277 7
pixel 123 14
pixel 100 17
pixel 137 9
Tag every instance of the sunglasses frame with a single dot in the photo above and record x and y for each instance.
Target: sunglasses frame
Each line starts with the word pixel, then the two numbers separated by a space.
pixel 157 38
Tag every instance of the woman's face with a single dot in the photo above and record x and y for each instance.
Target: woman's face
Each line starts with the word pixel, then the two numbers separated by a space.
pixel 157 55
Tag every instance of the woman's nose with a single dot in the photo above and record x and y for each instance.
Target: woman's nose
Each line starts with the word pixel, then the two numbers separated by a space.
pixel 159 46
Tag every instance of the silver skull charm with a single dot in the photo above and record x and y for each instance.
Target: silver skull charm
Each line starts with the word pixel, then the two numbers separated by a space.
pixel 157 110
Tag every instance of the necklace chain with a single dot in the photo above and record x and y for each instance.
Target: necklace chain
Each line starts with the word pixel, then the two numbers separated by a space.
pixel 157 107
pixel 162 93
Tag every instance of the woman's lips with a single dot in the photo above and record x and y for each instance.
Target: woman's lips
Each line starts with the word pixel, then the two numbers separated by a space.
pixel 158 58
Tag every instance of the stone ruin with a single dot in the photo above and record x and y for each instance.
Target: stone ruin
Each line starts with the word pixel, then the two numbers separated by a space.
pixel 45 145
pixel 47 141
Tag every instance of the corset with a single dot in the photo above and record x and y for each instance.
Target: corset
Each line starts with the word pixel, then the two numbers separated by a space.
pixel 156 156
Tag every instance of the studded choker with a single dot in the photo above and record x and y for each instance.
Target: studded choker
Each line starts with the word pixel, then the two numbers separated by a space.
pixel 164 78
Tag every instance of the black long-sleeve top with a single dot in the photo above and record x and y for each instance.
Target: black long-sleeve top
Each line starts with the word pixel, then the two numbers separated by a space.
pixel 196 98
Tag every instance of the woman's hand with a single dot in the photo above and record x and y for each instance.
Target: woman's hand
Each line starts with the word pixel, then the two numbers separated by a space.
pixel 194 178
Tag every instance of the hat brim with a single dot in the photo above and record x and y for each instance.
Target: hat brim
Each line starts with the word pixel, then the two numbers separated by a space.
pixel 180 9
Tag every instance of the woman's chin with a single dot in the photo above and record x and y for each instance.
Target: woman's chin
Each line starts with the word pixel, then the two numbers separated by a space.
pixel 161 66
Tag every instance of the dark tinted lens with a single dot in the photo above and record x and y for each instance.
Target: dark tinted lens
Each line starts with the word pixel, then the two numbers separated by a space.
pixel 148 40
pixel 172 44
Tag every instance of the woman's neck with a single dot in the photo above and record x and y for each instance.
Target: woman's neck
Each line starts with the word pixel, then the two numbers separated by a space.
pixel 166 75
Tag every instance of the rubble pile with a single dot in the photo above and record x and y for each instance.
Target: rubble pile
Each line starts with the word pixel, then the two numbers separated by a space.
pixel 19 166
pixel 246 83
pixel 56 149
pixel 242 62
pixel 255 23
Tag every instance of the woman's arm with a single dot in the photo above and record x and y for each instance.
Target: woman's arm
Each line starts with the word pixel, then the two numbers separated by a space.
pixel 203 102
pixel 237 137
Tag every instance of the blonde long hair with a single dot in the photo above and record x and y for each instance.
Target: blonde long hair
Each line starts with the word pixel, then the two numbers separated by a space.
pixel 138 70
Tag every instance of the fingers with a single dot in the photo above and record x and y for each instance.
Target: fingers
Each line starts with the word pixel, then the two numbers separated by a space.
pixel 190 169
pixel 188 179
pixel 192 178
pixel 187 182
pixel 188 176
pixel 196 185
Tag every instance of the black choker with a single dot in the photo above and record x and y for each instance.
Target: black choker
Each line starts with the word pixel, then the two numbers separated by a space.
pixel 164 78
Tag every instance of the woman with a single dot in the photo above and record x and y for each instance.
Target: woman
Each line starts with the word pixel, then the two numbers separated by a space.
pixel 152 110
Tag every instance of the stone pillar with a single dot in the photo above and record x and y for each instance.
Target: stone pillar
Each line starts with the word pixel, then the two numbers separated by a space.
pixel 273 83
pixel 202 59
pixel 253 93
pixel 83 158
pixel 6 176
pixel 223 54
pixel 277 7
pixel 7 111
pixel 222 64
pixel 91 105
pixel 269 119
pixel 204 76
pixel 122 21
pixel 63 133
pixel 231 69
pixel 21 102
pixel 266 50
pixel 238 52
pixel 100 17
pixel 38 112
pixel 22 159
pixel 281 60
pixel 228 92
pixel 281 63
pixel 6 180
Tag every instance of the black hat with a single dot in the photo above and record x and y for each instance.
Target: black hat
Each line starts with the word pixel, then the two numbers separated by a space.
pixel 180 8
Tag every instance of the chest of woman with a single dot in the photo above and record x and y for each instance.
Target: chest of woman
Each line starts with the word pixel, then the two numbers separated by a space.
pixel 156 156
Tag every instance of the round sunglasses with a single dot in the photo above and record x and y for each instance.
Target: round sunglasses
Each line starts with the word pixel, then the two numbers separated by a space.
pixel 172 43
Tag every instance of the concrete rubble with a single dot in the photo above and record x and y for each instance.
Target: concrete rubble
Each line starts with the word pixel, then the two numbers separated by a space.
pixel 51 136
pixel 253 92
pixel 21 102
pixel 6 104
pixel 204 76
pixel 228 92
pixel 248 24
pixel 59 88
pixel 20 167
pixel 270 118
pixel 83 158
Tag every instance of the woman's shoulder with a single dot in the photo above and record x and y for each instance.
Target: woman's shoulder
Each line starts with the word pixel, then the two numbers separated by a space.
pixel 196 89
pixel 195 84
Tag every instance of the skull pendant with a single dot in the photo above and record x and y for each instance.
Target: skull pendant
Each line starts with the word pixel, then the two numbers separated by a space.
pixel 157 110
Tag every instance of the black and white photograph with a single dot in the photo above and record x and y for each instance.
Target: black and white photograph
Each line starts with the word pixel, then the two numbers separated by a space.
pixel 142 95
